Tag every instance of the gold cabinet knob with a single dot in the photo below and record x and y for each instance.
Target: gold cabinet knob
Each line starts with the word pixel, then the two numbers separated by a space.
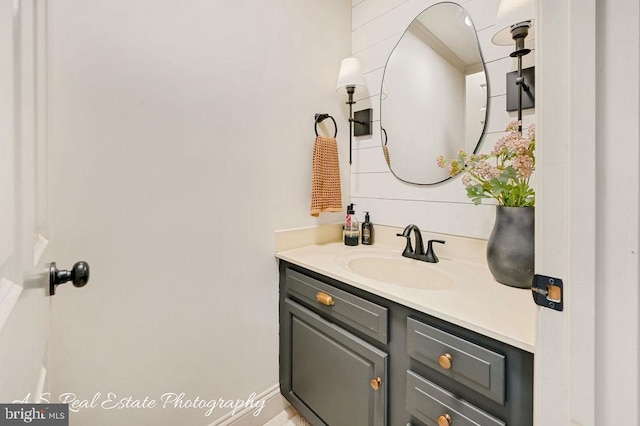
pixel 444 420
pixel 375 383
pixel 325 299
pixel 445 361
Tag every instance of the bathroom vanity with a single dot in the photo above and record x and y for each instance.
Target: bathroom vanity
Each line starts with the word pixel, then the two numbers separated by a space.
pixel 355 350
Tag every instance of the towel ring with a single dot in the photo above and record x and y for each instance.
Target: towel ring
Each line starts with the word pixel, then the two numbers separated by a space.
pixel 386 139
pixel 320 118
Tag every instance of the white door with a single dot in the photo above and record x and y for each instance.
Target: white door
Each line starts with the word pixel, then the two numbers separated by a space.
pixel 24 277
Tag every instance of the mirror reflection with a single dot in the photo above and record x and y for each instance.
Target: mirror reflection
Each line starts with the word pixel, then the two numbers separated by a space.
pixel 434 94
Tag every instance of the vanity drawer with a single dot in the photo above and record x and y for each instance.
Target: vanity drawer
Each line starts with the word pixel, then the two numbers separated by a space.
pixel 433 405
pixel 353 311
pixel 467 363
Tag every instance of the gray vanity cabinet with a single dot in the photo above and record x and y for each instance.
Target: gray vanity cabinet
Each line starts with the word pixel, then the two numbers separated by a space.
pixel 331 371
pixel 352 358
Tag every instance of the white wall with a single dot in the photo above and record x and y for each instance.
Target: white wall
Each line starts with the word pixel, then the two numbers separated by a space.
pixel 377 25
pixel 181 138
pixel 617 194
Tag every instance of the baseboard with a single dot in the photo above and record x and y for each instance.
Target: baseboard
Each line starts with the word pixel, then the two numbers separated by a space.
pixel 274 404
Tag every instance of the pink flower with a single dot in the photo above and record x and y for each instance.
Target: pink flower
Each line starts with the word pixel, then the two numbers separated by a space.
pixel 512 143
pixel 455 168
pixel 500 147
pixel 523 165
pixel 514 152
pixel 513 126
pixel 486 170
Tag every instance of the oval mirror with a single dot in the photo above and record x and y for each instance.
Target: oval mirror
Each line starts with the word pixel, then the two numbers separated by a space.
pixel 434 94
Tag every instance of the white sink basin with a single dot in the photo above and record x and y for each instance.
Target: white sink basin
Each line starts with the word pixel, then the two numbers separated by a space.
pixel 388 266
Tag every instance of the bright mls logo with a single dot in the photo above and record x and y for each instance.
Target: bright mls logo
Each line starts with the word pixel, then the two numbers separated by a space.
pixel 34 414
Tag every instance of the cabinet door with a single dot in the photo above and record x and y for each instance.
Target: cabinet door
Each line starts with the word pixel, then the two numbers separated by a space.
pixel 327 371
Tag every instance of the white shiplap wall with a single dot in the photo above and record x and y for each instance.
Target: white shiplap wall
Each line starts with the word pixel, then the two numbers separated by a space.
pixel 377 25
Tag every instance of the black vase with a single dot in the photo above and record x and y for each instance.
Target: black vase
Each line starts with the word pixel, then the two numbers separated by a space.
pixel 510 249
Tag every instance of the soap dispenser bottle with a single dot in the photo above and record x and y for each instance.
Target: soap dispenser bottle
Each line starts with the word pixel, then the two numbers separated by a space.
pixel 351 228
pixel 367 230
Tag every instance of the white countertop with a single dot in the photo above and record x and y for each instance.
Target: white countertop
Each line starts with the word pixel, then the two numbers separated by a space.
pixel 476 301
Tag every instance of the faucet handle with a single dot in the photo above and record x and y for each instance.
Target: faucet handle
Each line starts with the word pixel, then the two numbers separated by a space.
pixel 430 254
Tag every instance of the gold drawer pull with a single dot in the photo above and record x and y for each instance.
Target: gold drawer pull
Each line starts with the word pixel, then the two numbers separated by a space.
pixel 325 299
pixel 375 383
pixel 444 420
pixel 445 361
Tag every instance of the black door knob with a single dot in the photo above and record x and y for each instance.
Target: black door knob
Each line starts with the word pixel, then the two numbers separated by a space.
pixel 78 275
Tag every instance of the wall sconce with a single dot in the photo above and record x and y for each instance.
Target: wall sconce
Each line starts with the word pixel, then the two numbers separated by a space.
pixel 515 23
pixel 350 82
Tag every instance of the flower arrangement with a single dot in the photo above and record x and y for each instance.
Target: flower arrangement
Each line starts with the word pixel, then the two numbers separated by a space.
pixel 504 174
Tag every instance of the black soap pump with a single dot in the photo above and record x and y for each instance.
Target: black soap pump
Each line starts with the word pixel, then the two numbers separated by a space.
pixel 351 227
pixel 367 230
